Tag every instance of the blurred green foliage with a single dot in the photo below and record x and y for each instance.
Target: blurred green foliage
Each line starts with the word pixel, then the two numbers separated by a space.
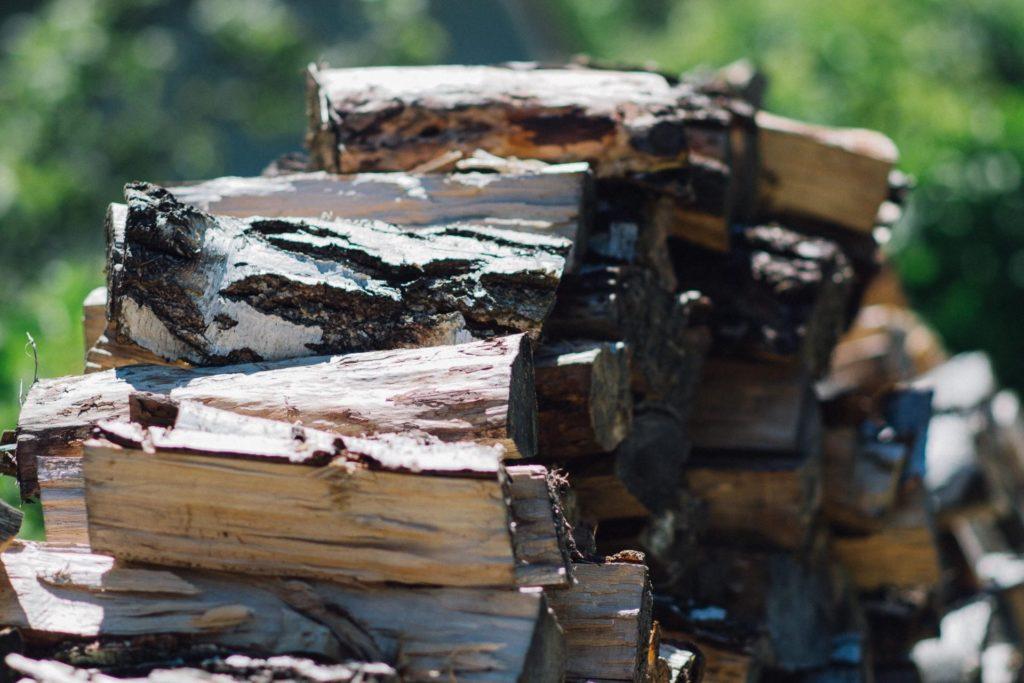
pixel 943 78
pixel 98 92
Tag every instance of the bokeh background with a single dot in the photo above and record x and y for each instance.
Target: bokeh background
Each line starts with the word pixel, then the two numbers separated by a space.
pixel 94 93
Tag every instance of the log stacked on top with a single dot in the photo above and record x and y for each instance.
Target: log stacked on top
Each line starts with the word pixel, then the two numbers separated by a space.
pixel 531 374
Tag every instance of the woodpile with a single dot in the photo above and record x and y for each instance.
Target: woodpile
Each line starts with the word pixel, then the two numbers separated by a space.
pixel 527 374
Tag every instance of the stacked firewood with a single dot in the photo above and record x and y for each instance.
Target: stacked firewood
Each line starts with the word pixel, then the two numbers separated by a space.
pixel 524 373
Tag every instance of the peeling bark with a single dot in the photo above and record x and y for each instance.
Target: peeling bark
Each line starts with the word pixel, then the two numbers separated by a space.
pixel 216 290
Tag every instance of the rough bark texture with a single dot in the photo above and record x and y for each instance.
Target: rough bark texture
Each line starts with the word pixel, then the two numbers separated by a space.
pixel 584 403
pixel 481 391
pixel 617 121
pixel 57 591
pixel 546 200
pixel 777 293
pixel 216 290
pixel 369 504
pixel 606 617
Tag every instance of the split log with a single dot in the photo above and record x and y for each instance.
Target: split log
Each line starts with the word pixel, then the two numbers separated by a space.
pixel 216 290
pixel 370 504
pixel 665 332
pixel 584 404
pixel 745 407
pixel 618 121
pixel 54 591
pixel 481 391
pixel 606 617
pixel 760 478
pixel 778 293
pixel 825 175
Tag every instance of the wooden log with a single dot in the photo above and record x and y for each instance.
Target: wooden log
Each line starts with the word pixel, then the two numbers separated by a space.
pixel 902 554
pixel 682 662
pixel 759 478
pixel 481 391
pixel 778 293
pixel 618 121
pixel 606 617
pixel 370 504
pixel 665 332
pixel 57 591
pixel 721 659
pixel 745 406
pixel 826 175
pixel 211 290
pixel 584 404
pixel 861 476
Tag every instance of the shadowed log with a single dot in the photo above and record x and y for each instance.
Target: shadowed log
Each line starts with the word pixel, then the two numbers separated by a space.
pixel 55 591
pixel 584 404
pixel 215 290
pixel 778 293
pixel 481 391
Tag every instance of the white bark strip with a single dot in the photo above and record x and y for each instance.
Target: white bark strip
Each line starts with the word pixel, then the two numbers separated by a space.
pixel 214 290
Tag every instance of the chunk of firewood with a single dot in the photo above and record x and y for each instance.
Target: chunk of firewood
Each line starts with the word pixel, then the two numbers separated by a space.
pixel 58 591
pixel 584 404
pixel 828 175
pixel 370 503
pixel 777 293
pixel 721 660
pixel 618 121
pixel 215 290
pixel 756 462
pixel 902 554
pixel 682 662
pixel 746 406
pixel 481 391
pixel 606 617
pixel 665 332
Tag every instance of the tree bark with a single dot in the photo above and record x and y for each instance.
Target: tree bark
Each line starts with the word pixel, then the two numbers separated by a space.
pixel 617 121
pixel 369 505
pixel 59 592
pixel 481 391
pixel 606 617
pixel 211 290
pixel 553 200
pixel 584 402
